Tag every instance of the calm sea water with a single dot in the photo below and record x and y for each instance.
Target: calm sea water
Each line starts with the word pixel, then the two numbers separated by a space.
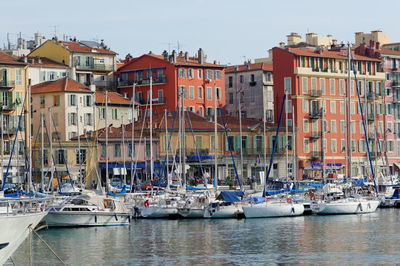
pixel 342 239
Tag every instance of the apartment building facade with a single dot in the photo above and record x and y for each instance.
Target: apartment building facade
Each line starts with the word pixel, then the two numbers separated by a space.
pixel 315 81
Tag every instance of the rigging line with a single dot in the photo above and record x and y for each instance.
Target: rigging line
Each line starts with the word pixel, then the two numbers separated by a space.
pixel 362 116
pixel 197 151
pixel 52 157
pixel 230 148
pixel 15 139
pixel 275 144
pixel 59 143
pixel 168 147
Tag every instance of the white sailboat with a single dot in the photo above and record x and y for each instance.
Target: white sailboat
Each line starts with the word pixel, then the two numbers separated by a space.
pixel 17 218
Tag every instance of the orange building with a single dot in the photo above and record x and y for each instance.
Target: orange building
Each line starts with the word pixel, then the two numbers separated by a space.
pixel 173 73
pixel 316 79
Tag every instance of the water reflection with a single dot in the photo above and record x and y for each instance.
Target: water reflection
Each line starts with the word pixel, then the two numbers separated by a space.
pixel 358 239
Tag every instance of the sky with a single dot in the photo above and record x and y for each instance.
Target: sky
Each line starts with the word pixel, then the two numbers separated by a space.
pixel 229 31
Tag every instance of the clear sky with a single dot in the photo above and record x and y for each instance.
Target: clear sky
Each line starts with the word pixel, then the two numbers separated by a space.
pixel 229 31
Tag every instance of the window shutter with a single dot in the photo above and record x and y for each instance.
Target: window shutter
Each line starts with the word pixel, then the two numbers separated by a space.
pixel 271 144
pixel 284 142
pixel 1 97
pixel 279 142
pixel 248 140
pixel 69 119
pixel 10 99
pixel 226 143
pixel 237 143
pixel 263 143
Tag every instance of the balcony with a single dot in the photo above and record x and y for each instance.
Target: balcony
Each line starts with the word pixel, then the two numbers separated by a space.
pixel 7 84
pixel 95 67
pixel 315 115
pixel 316 135
pixel 201 152
pixel 370 117
pixel 7 107
pixel 142 82
pixel 375 154
pixel 159 100
pixel 252 83
pixel 9 130
pixel 316 154
pixel 316 93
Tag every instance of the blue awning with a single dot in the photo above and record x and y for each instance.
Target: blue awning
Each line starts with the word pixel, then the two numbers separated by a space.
pixel 141 165
pixel 231 196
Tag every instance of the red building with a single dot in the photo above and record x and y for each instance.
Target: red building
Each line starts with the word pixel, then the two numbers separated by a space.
pixel 193 75
pixel 316 81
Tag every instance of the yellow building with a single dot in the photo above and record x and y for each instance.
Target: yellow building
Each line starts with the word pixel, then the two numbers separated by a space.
pixel 90 62
pixel 13 87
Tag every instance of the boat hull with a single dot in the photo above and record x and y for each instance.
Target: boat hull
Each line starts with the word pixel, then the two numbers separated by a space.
pixel 77 219
pixel 345 207
pixel 266 210
pixel 14 230
pixel 155 212
pixel 191 213
pixel 223 212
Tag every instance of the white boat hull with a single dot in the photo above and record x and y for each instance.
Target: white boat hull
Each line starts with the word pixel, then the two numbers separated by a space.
pixel 273 209
pixel 157 212
pixel 221 212
pixel 345 207
pixel 14 230
pixel 76 219
pixel 191 213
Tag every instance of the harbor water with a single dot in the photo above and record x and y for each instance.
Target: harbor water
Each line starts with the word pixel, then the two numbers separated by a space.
pixel 341 239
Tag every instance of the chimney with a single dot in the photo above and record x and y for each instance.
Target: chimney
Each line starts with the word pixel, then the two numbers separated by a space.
pixel 172 57
pixel 25 58
pixel 125 95
pixel 372 44
pixel 281 44
pixel 378 45
pixel 200 55
pixel 165 55
pixel 181 54
pixel 186 56
pixel 39 60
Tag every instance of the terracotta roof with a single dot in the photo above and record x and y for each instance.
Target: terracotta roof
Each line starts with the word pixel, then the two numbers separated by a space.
pixel 44 62
pixel 326 54
pixel 249 67
pixel 113 98
pixel 60 85
pixel 389 51
pixel 80 47
pixel 8 59
pixel 180 61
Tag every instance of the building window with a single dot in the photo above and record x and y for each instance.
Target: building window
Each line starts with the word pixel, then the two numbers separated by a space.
pixel 160 96
pixel 72 119
pixel 322 86
pixel 341 87
pixel 148 153
pixel 209 74
pixel 388 92
pixel 200 73
pixel 117 150
pixel 60 157
pixel 305 106
pixel 231 98
pixel 218 93
pixel 42 101
pixel 241 78
pixel 230 82
pixel 332 86
pixel 304 85
pixel 190 73
pixel 82 158
pixel 306 126
pixel 191 92
pixel 88 120
pixel 182 73
pixel 191 109
pixel 115 113
pixel 209 93
pixel 18 76
pixel 201 110
pixel 306 145
pixel 333 126
pixel 200 92
pixel 103 150
pixel 288 85
pixel 72 100
pixel 218 74
pixel 333 107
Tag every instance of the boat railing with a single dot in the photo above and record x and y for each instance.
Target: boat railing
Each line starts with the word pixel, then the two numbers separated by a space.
pixel 22 206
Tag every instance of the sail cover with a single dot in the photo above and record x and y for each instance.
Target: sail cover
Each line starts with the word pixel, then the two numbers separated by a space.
pixel 231 196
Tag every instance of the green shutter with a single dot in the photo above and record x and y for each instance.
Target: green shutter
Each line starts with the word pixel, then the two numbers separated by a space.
pixel 1 97
pixel 248 140
pixel 254 144
pixel 226 143
pixel 271 143
pixel 284 142
pixel 279 143
pixel 237 143
pixel 262 143
pixel 10 99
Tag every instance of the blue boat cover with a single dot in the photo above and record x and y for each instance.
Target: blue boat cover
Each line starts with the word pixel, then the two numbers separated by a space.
pixel 231 196
pixel 257 200
pixel 270 193
pixel 396 194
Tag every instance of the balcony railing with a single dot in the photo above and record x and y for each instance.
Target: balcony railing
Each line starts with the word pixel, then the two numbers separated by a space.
pixel 370 117
pixel 316 93
pixel 201 152
pixel 316 135
pixel 315 115
pixel 371 136
pixel 95 67
pixel 316 154
pixel 155 101
pixel 7 83
pixel 7 107
pixel 141 82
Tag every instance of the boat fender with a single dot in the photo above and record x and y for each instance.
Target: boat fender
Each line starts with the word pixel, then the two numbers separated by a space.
pixel 289 200
pixel 306 194
pixel 266 199
pixel 293 209
pixel 129 218
pixel 360 206
pixel 146 203
pixel 312 197
pixel 95 219
pixel 41 207
pixel 116 217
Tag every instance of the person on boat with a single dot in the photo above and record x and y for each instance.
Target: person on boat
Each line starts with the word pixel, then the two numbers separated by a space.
pixel 94 184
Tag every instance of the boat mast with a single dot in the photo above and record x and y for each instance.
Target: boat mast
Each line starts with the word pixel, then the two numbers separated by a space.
pixel 51 150
pixel 133 133
pixel 28 128
pixel 166 145
pixel 106 127
pixel 123 150
pixel 241 135
pixel 215 139
pixel 183 140
pixel 350 149
pixel 151 132
pixel 2 145
pixel 264 137
pixel 295 178
pixel 42 152
pixel 79 145
pixel 180 92
pixel 322 144
pixel 286 123
pixel 375 129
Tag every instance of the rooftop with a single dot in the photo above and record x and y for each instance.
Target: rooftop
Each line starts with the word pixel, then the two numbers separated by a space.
pixel 60 85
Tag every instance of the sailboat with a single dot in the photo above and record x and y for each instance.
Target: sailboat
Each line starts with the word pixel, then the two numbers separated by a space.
pixel 335 201
pixel 264 207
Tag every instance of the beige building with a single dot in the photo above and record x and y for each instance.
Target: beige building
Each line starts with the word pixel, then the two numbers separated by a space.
pixel 376 36
pixel 70 104
pixel 13 84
